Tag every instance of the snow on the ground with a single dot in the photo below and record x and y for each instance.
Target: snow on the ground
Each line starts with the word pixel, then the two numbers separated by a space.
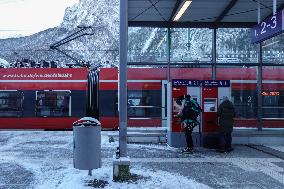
pixel 277 147
pixel 48 156
pixel 159 179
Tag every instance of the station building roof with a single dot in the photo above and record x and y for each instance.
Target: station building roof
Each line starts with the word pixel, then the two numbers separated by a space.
pixel 200 13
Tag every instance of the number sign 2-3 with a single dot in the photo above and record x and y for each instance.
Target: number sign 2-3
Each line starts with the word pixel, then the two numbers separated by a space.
pixel 268 28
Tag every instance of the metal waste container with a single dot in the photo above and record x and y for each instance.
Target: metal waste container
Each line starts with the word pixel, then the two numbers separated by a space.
pixel 87 144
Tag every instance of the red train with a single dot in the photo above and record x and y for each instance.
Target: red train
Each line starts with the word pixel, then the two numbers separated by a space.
pixel 53 98
pixel 45 98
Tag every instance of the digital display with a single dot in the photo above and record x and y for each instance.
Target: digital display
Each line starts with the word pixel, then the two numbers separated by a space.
pixel 210 105
pixel 186 82
pixel 216 83
pixel 268 28
pixel 271 93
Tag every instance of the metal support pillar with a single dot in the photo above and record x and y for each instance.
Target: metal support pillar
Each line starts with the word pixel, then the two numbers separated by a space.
pixel 169 89
pixel 123 42
pixel 259 88
pixel 188 39
pixel 214 53
pixel 259 79
pixel 274 6
pixel 169 54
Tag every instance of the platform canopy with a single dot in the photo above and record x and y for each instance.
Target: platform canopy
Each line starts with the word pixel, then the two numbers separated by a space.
pixel 200 13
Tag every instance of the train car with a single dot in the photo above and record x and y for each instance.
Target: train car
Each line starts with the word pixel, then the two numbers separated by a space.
pixel 53 98
pixel 46 98
pixel 147 95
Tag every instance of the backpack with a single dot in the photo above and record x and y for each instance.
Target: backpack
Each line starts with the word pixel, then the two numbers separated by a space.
pixel 191 110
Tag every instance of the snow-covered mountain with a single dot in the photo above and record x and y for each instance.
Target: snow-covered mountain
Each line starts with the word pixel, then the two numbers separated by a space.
pixel 102 46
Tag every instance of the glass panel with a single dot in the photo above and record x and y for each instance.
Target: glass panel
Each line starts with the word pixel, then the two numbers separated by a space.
pixel 109 107
pixel 273 103
pixel 203 72
pixel 11 103
pixel 243 92
pixel 147 44
pixel 273 50
pixel 245 102
pixel 234 46
pixel 191 45
pixel 273 96
pixel 53 104
pixel 146 103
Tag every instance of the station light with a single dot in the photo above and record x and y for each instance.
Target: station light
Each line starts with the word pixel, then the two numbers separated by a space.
pixel 182 9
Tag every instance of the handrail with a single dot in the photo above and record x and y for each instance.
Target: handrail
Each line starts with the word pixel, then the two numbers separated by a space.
pixel 272 118
pixel 276 107
pixel 146 107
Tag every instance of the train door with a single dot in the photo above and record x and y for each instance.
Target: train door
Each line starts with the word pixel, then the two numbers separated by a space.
pixel 144 103
pixel 164 103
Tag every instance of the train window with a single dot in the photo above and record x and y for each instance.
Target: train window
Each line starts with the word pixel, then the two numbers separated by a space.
pixel 53 104
pixel 273 104
pixel 146 103
pixel 245 102
pixel 11 103
pixel 109 103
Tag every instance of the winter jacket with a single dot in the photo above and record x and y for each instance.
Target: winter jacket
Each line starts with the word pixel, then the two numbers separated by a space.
pixel 190 111
pixel 226 114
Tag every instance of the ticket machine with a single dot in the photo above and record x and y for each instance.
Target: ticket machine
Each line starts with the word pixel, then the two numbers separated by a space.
pixel 208 93
pixel 213 92
pixel 175 133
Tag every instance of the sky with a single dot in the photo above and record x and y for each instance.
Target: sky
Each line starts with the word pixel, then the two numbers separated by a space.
pixel 26 17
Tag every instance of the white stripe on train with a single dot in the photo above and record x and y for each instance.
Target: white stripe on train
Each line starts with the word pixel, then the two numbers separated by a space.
pixel 232 81
pixel 43 81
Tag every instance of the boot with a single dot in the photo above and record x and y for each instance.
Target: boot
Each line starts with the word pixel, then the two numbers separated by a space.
pixel 229 149
pixel 221 150
pixel 187 150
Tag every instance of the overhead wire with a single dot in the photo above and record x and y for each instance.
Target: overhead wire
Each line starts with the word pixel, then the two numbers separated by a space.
pixel 157 10
pixel 144 11
pixel 256 1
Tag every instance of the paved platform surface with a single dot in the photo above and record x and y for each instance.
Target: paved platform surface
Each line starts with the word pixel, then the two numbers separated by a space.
pixel 43 159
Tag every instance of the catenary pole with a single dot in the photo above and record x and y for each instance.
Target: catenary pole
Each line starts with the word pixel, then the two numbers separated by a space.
pixel 122 103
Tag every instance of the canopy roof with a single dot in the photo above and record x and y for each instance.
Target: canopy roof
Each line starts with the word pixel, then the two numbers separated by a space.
pixel 201 13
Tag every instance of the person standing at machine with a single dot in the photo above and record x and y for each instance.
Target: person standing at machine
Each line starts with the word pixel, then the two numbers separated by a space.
pixel 189 112
pixel 226 114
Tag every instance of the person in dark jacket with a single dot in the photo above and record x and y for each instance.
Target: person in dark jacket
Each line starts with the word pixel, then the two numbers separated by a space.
pixel 189 111
pixel 226 114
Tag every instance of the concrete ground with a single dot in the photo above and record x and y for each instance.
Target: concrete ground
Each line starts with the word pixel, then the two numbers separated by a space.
pixel 43 159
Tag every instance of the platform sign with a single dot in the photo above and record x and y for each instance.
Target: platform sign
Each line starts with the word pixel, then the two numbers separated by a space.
pixel 268 28
pixel 186 82
pixel 216 83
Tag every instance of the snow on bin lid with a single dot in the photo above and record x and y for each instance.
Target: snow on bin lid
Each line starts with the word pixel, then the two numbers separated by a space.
pixel 87 121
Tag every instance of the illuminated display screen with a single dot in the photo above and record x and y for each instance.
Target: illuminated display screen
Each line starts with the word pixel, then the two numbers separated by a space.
pixel 271 93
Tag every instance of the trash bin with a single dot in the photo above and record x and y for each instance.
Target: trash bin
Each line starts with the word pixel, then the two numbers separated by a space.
pixel 87 144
